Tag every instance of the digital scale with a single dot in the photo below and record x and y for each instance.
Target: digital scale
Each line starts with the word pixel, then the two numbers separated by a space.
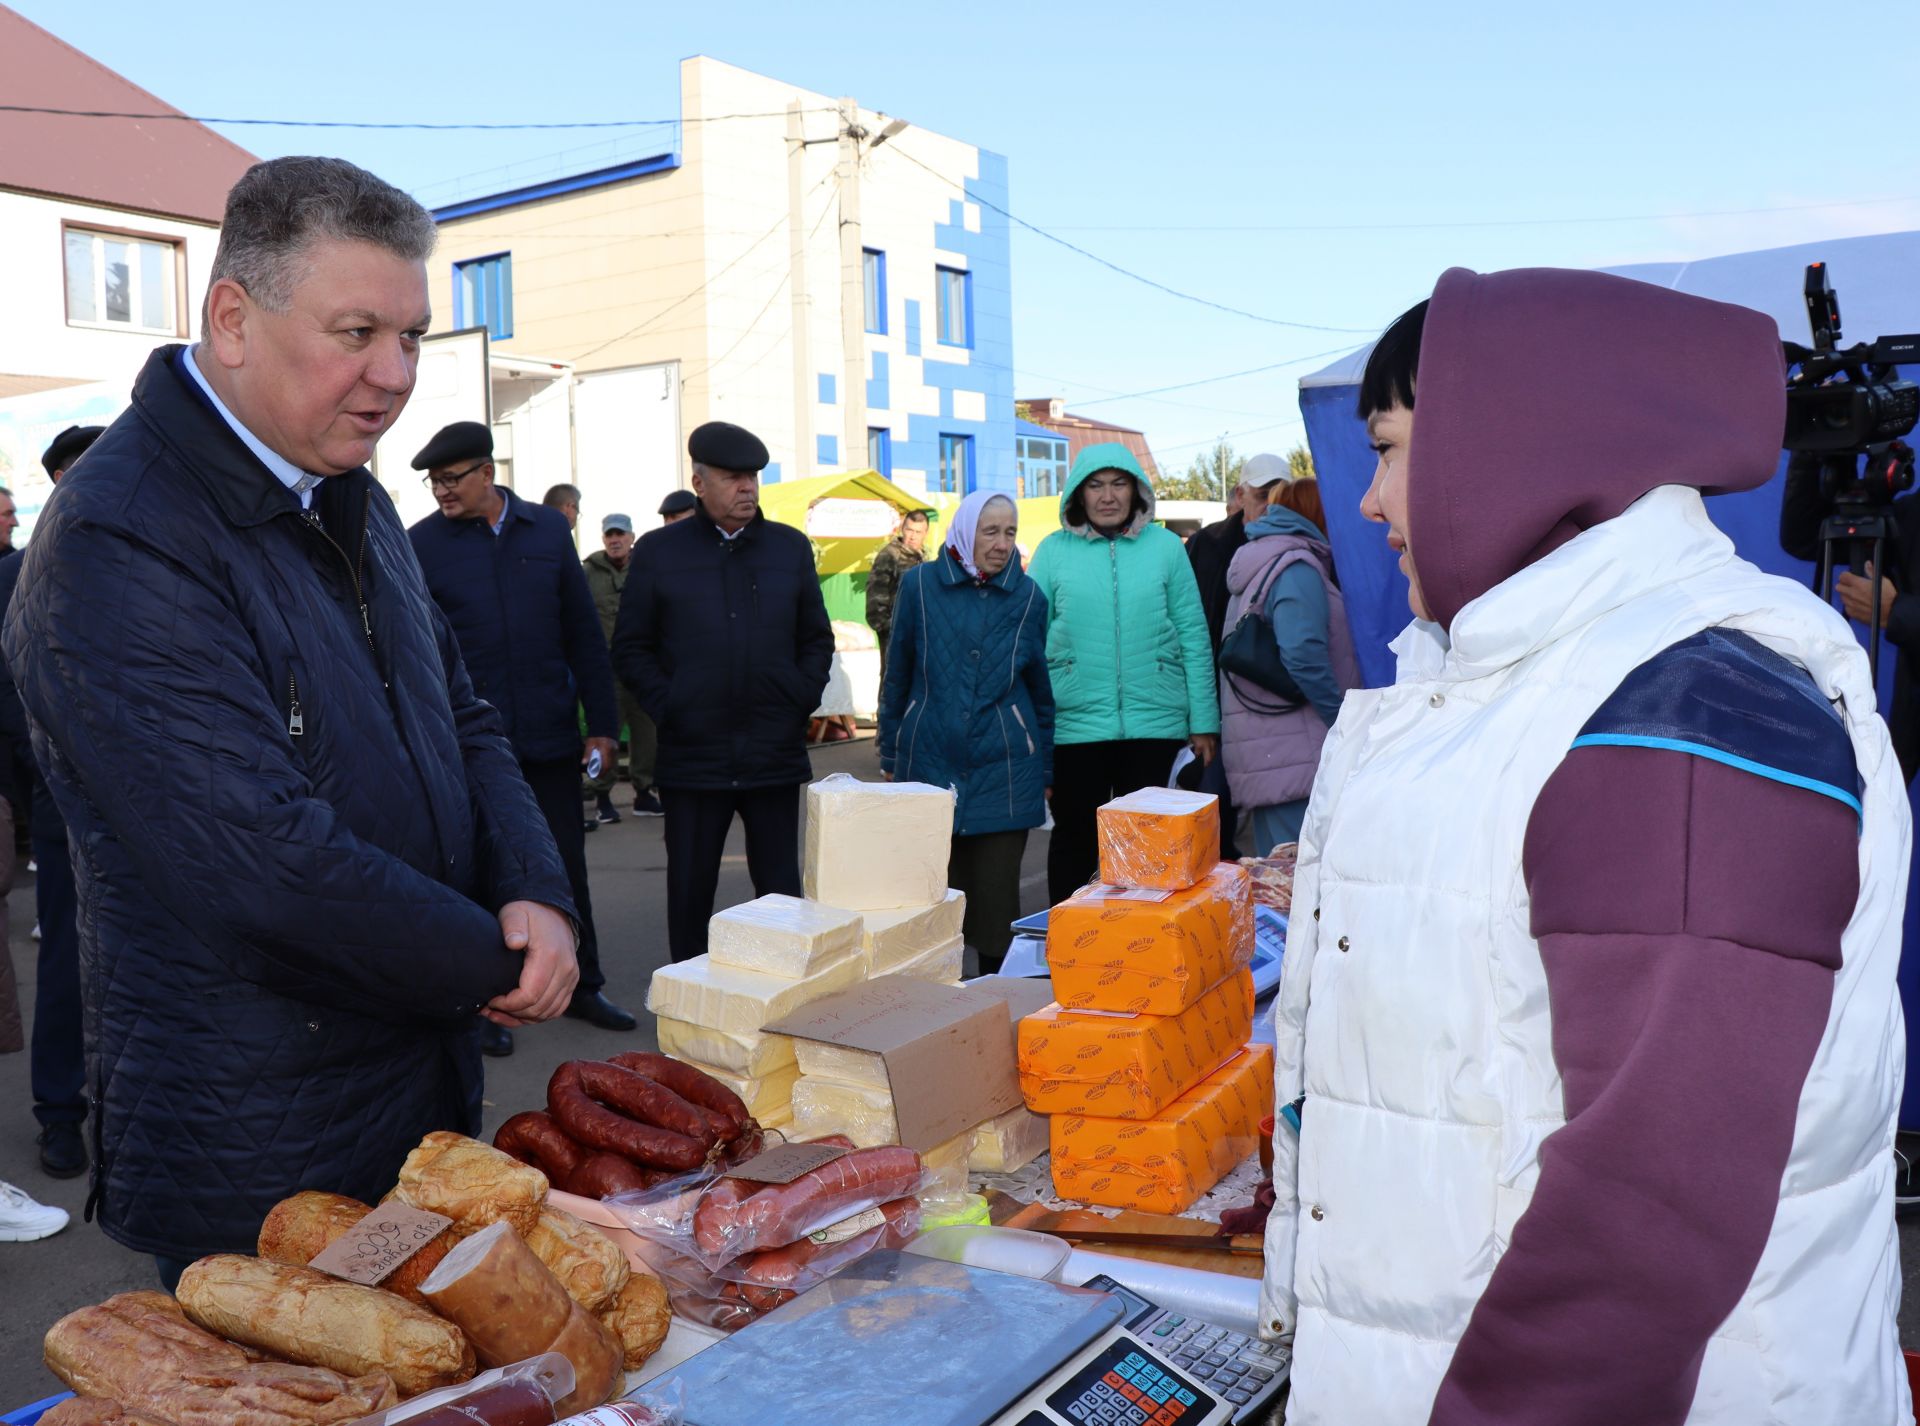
pixel 900 1340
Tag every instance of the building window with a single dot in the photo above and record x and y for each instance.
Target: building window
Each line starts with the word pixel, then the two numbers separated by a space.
pixel 116 280
pixel 1043 464
pixel 880 450
pixel 953 295
pixel 873 267
pixel 956 465
pixel 483 295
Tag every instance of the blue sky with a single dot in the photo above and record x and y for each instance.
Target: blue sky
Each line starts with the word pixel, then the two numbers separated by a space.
pixel 1320 165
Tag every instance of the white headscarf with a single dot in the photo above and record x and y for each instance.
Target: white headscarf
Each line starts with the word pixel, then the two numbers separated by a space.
pixel 966 519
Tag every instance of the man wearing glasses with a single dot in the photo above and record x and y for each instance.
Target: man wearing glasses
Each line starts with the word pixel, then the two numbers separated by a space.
pixel 507 576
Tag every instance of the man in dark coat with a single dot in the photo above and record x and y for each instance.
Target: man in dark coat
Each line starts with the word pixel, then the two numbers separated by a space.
pixel 307 858
pixel 505 573
pixel 724 639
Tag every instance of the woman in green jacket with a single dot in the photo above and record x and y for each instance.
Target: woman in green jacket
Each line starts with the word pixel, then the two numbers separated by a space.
pixel 1127 652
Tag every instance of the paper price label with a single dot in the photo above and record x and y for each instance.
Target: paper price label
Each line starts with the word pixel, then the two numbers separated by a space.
pixel 786 1162
pixel 1096 891
pixel 850 1227
pixel 372 1249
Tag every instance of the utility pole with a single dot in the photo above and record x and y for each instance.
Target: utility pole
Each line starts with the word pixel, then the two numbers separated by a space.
pixel 853 293
pixel 803 395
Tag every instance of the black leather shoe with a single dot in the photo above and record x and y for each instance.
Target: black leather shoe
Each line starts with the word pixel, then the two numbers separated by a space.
pixel 495 1040
pixel 63 1153
pixel 594 1008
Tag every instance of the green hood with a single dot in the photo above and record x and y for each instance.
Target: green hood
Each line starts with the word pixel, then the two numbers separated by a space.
pixel 1109 455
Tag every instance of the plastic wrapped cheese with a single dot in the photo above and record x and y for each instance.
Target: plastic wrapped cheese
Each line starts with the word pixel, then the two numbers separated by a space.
pixel 946 1167
pixel 941 965
pixel 783 936
pixel 739 1002
pixel 860 1111
pixel 1159 837
pixel 1127 948
pixel 1164 1164
pixel 1121 1066
pixel 753 1053
pixel 843 1063
pixel 764 1095
pixel 1008 1142
pixel 877 846
pixel 890 937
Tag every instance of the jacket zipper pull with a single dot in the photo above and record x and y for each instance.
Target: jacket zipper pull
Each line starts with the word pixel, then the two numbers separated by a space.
pixel 296 718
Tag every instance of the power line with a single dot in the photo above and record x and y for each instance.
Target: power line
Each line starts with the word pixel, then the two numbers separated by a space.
pixel 1210 380
pixel 370 124
pixel 1128 272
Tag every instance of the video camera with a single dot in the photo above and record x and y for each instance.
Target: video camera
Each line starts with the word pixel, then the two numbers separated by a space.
pixel 1847 409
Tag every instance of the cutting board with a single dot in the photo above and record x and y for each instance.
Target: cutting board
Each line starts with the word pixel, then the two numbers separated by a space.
pixel 1041 1219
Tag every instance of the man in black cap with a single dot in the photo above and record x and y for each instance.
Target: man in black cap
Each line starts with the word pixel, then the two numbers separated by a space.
pixel 724 639
pixel 68 447
pixel 677 506
pixel 505 573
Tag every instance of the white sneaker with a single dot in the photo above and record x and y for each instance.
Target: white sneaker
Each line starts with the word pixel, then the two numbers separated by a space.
pixel 22 1220
pixel 36 930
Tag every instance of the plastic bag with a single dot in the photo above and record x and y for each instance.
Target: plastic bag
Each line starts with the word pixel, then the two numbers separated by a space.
pixel 526 1393
pixel 648 1407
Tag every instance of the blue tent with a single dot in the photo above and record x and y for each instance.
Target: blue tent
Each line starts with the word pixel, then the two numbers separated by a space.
pixel 1879 296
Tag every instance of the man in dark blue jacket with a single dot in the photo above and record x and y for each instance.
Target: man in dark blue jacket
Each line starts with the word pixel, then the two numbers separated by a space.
pixel 724 639
pixel 305 855
pixel 506 574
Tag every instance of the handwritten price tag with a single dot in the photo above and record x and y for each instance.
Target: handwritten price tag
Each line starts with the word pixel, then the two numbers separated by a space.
pixel 372 1249
pixel 786 1162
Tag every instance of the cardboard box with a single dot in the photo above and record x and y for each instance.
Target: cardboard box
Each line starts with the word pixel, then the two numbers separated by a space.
pixel 1135 948
pixel 1160 837
pixel 877 846
pixel 948 1050
pixel 1164 1164
pixel 1124 1066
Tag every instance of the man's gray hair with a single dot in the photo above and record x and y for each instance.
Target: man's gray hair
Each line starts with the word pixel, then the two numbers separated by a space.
pixel 280 208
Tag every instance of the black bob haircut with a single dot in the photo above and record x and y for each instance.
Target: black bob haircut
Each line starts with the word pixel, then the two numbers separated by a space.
pixel 1393 366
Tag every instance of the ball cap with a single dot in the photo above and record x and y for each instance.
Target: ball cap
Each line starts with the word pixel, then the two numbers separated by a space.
pixel 461 441
pixel 69 446
pixel 1258 472
pixel 727 447
pixel 610 523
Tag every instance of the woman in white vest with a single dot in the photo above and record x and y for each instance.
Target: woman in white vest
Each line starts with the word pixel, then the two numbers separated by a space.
pixel 1589 1004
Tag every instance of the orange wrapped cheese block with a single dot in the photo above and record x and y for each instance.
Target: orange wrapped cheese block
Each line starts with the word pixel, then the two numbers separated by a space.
pixel 1164 1164
pixel 1159 837
pixel 1130 1066
pixel 1129 948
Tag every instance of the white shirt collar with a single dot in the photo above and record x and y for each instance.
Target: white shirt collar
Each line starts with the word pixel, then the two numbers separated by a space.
pixel 285 471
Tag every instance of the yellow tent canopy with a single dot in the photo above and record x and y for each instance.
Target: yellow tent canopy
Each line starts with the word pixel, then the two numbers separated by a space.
pixel 848 517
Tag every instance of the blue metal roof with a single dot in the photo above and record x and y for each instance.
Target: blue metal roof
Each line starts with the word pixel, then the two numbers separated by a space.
pixel 554 187
pixel 1027 428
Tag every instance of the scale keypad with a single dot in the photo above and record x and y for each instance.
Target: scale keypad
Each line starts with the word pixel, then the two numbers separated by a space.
pixel 1239 1367
pixel 1124 1387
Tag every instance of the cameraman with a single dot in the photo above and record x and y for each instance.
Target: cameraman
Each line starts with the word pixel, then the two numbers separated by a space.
pixel 1802 509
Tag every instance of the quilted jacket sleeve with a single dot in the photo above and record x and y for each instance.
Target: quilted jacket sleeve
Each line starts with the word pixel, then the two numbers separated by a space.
pixel 903 664
pixel 134 667
pixel 1196 646
pixel 587 651
pixel 1033 670
pixel 637 651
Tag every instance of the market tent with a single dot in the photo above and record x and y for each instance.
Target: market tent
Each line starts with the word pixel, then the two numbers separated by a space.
pixel 1878 297
pixel 848 517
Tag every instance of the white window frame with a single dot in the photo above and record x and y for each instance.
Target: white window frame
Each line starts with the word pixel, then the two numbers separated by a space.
pixel 135 292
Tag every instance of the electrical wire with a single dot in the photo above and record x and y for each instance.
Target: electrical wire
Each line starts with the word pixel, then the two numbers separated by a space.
pixel 1210 380
pixel 371 124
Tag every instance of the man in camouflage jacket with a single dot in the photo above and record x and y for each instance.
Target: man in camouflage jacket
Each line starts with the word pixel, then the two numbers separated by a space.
pixel 900 554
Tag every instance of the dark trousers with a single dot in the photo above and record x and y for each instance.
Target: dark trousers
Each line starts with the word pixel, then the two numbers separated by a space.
pixel 170 1270
pixel 697 824
pixel 58 1063
pixel 986 866
pixel 642 741
pixel 1086 775
pixel 556 787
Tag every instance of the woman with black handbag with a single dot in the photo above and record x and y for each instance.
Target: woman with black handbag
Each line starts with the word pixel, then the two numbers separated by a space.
pixel 1285 663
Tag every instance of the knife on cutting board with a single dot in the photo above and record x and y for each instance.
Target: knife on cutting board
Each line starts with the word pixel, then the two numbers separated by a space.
pixel 1244 1245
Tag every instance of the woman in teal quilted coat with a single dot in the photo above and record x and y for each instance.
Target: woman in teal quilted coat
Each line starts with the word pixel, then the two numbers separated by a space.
pixel 1127 650
pixel 967 705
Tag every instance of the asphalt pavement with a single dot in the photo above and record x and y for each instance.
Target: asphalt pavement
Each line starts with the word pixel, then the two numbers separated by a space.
pixel 627 863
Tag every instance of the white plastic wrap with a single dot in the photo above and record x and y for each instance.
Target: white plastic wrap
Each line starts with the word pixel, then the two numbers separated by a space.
pixel 877 846
pixel 739 1002
pixel 941 965
pixel 753 1053
pixel 1158 837
pixel 783 936
pixel 862 1112
pixel 890 937
pixel 1009 1142
pixel 764 1095
pixel 946 1166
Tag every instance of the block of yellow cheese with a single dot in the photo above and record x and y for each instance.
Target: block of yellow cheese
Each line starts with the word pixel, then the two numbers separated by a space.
pixel 1159 837
pixel 941 965
pixel 946 1166
pixel 753 1053
pixel 877 846
pixel 766 1096
pixel 890 937
pixel 739 1002
pixel 1164 1164
pixel 782 935
pixel 862 1112
pixel 842 1063
pixel 1130 948
pixel 1008 1142
pixel 1121 1066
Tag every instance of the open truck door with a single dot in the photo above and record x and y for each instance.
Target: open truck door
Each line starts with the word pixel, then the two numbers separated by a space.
pixel 454 383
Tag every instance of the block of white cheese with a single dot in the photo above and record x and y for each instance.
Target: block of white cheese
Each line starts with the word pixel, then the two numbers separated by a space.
pixel 1009 1142
pixel 754 1053
pixel 861 1112
pixel 737 1001
pixel 783 936
pixel 842 1063
pixel 877 846
pixel 946 1166
pixel 891 937
pixel 941 965
pixel 766 1096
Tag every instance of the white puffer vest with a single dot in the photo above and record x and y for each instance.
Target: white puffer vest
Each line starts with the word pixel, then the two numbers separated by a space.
pixel 1413 1006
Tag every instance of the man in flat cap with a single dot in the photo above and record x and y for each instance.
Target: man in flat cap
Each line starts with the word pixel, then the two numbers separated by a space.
pixel 505 573
pixel 607 576
pixel 723 637
pixel 678 505
pixel 308 858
